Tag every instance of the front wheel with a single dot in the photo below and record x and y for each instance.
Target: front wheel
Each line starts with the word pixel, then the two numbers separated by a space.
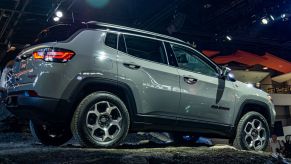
pixel 50 135
pixel 252 132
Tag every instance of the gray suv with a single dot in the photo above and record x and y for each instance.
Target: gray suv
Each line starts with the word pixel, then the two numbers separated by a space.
pixel 98 82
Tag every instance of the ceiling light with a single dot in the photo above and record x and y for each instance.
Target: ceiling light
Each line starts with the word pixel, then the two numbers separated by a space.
pixel 283 15
pixel 56 19
pixel 59 14
pixel 229 38
pixel 265 68
pixel 271 16
pixel 265 21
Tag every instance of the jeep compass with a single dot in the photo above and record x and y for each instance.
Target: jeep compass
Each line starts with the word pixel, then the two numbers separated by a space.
pixel 98 82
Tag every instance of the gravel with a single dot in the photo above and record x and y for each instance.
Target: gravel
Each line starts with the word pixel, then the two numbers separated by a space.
pixel 22 148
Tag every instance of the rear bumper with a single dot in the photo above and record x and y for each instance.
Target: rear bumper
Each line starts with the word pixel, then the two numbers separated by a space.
pixel 39 109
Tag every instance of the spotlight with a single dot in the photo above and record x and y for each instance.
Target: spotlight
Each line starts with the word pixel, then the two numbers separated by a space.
pixel 265 68
pixel 283 16
pixel 229 38
pixel 56 19
pixel 265 21
pixel 271 16
pixel 59 14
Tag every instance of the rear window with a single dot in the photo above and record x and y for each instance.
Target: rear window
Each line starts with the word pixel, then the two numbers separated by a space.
pixel 56 33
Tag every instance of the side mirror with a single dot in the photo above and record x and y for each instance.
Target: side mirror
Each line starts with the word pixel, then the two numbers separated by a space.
pixel 226 74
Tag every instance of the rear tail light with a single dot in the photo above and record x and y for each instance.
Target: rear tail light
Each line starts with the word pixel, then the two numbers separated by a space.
pixel 53 55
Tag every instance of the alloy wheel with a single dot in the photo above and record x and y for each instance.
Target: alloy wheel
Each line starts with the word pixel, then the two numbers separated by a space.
pixel 103 121
pixel 255 134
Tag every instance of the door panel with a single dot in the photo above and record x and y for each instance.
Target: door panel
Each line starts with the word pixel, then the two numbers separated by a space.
pixel 204 96
pixel 204 100
pixel 155 85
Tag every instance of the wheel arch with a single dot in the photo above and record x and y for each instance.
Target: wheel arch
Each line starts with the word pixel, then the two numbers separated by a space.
pixel 77 92
pixel 253 106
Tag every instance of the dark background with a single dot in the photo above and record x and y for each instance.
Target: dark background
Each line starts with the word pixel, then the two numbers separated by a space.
pixel 205 22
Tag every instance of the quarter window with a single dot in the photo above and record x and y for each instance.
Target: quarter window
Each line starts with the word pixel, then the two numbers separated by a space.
pixel 111 40
pixel 189 60
pixel 145 48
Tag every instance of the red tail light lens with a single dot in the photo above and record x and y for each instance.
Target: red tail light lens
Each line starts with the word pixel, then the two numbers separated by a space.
pixel 53 55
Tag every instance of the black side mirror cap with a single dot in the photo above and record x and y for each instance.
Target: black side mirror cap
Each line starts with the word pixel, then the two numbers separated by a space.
pixel 226 74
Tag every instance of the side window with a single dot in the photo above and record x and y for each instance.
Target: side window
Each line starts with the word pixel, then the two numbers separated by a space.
pixel 111 40
pixel 188 59
pixel 145 48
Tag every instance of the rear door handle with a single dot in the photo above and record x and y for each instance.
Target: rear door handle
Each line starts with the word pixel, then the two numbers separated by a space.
pixel 190 80
pixel 131 65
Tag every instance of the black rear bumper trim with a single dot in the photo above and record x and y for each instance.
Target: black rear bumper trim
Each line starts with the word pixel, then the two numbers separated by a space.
pixel 44 110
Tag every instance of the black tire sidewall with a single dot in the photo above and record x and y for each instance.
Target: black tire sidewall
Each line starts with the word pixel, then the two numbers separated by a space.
pixel 249 117
pixel 86 106
pixel 44 137
pixel 4 113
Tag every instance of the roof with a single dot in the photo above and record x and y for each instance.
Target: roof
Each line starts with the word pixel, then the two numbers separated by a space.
pixel 135 30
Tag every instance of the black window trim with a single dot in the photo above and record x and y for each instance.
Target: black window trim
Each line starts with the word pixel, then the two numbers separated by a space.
pixel 165 41
pixel 125 45
pixel 166 53
pixel 167 44
pixel 200 56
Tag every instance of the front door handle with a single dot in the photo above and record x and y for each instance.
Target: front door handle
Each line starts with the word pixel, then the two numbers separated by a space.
pixel 131 65
pixel 190 80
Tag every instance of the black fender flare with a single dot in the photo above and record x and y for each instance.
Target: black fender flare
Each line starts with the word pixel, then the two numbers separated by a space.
pixel 73 91
pixel 254 102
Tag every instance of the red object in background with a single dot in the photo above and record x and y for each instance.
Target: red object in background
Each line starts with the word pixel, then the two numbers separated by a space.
pixel 210 53
pixel 251 59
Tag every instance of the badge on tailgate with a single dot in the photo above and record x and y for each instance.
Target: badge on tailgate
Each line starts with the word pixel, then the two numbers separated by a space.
pixel 23 64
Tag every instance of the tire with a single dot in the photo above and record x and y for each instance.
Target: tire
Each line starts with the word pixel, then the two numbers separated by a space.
pixel 100 120
pixel 50 136
pixel 4 113
pixel 252 132
pixel 6 74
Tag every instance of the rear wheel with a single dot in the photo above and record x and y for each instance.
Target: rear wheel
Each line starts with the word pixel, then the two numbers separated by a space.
pixel 252 132
pixel 4 113
pixel 6 78
pixel 100 120
pixel 50 135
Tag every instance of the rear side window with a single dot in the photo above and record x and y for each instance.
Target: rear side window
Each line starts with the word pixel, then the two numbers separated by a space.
pixel 145 48
pixel 56 33
pixel 111 40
